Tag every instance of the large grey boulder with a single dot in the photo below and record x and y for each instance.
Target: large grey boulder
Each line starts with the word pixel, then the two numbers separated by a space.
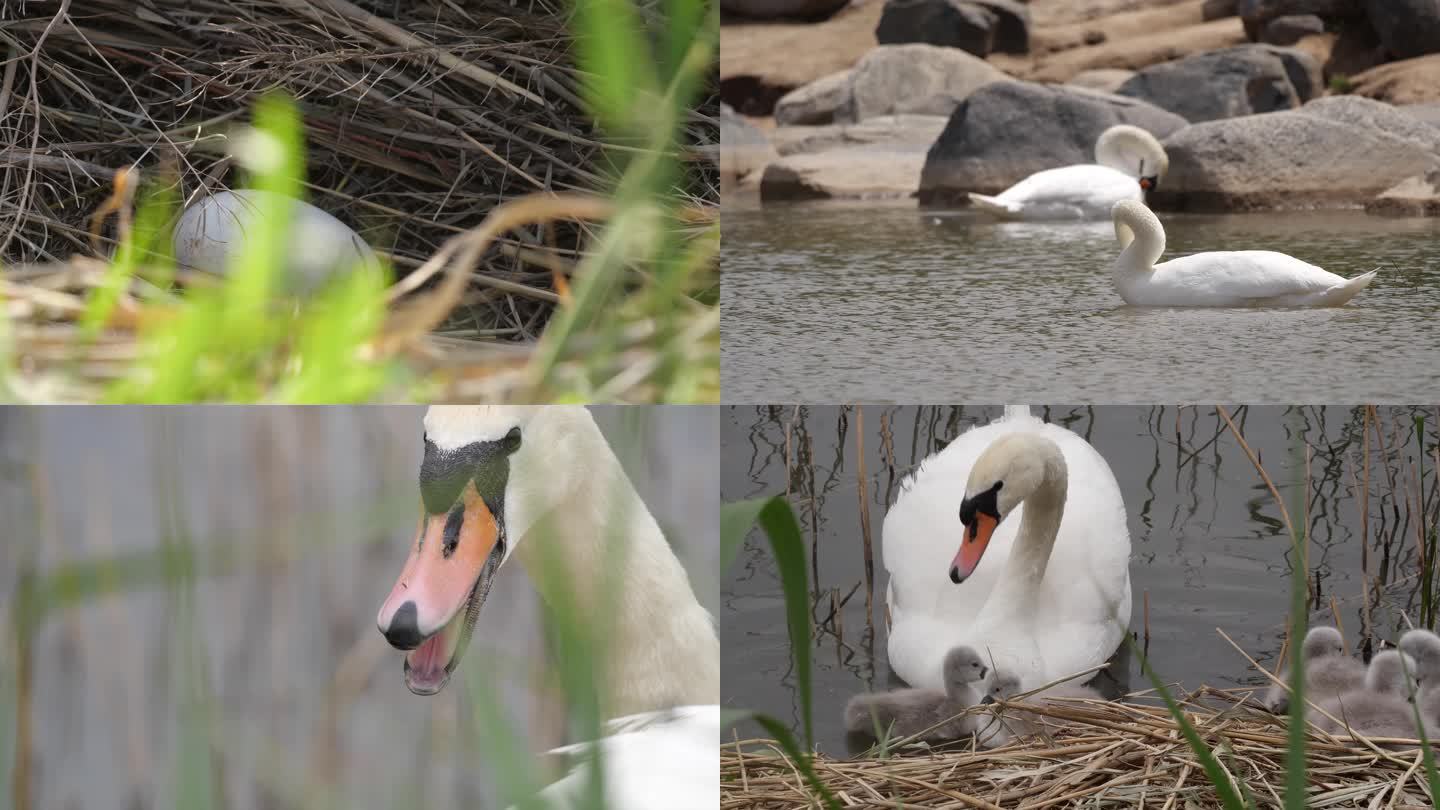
pixel 1243 80
pixel 921 79
pixel 1290 159
pixel 744 149
pixel 1291 28
pixel 1417 196
pixel 1008 130
pixel 1256 13
pixel 968 26
pixel 1376 116
pixel 814 103
pixel 783 9
pixel 1407 28
pixel 905 132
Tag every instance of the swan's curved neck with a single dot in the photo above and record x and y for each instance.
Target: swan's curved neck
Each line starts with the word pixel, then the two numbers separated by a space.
pixel 1039 527
pixel 598 548
pixel 1146 246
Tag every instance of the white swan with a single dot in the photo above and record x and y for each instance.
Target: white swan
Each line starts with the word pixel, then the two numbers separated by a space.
pixel 543 484
pixel 1041 581
pixel 1223 278
pixel 1128 162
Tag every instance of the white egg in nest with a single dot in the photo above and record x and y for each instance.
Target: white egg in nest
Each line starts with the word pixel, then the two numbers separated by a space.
pixel 211 234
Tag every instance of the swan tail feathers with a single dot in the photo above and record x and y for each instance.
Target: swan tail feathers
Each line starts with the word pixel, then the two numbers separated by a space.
pixel 1341 293
pixel 994 205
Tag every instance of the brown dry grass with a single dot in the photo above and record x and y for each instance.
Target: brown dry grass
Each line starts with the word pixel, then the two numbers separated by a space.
pixel 1107 755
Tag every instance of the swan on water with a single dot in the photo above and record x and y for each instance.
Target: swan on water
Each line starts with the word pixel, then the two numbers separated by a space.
pixel 1012 540
pixel 1222 278
pixel 1128 163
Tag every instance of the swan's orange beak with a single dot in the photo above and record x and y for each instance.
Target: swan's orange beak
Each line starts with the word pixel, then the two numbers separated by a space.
pixel 433 607
pixel 972 547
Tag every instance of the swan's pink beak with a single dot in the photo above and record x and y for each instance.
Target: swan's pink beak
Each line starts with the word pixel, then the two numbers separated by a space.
pixel 433 606
pixel 972 547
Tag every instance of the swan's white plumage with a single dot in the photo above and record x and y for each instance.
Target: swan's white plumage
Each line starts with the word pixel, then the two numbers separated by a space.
pixel 653 761
pixel 566 488
pixel 1227 278
pixel 1072 622
pixel 1083 191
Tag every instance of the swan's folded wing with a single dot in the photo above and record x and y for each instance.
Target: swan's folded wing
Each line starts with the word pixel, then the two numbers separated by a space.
pixel 1244 275
pixel 1072 184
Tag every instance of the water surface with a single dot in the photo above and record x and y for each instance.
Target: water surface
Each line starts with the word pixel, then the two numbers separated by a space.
pixel 1208 544
pixel 841 302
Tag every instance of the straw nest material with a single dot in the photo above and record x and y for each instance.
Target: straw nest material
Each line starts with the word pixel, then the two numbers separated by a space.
pixel 1108 755
pixel 420 118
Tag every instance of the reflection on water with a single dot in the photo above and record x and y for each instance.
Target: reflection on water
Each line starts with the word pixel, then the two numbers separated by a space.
pixel 838 303
pixel 316 507
pixel 1208 543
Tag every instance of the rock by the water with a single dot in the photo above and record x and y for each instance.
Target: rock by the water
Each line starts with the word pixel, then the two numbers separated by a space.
pixel 947 23
pixel 783 9
pixel 1409 81
pixel 1407 28
pixel 921 79
pixel 1417 196
pixel 1289 29
pixel 1256 13
pixel 1288 159
pixel 744 149
pixel 861 172
pixel 1012 29
pixel 1378 117
pixel 1428 112
pixel 1008 130
pixel 903 132
pixel 1218 9
pixel 814 103
pixel 1235 81
pixel 1106 80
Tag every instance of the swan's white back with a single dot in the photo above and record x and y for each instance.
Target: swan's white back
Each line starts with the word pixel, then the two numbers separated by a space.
pixel 653 761
pixel 1082 608
pixel 1085 191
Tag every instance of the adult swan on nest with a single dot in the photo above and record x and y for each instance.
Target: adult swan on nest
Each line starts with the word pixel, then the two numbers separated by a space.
pixel 1012 540
pixel 503 481
pixel 1221 278
pixel 1128 163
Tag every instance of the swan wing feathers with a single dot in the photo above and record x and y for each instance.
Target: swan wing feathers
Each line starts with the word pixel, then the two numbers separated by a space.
pixel 661 760
pixel 1082 184
pixel 1244 275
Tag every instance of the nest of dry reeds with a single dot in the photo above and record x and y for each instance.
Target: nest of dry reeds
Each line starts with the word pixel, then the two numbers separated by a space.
pixel 420 117
pixel 1106 754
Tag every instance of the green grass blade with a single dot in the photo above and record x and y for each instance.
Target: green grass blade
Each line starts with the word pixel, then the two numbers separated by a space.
pixel 788 744
pixel 736 519
pixel 788 547
pixel 1224 788
pixel 619 83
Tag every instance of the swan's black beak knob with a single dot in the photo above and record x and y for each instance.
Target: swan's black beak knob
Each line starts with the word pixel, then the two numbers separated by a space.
pixel 955 575
pixel 404 630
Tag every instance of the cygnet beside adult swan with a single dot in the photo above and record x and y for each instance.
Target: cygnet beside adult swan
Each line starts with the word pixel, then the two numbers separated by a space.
pixel 1222 278
pixel 1128 162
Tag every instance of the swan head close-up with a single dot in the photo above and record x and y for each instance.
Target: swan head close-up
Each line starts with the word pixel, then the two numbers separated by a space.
pixel 1013 468
pixel 1322 642
pixel 486 473
pixel 1134 151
